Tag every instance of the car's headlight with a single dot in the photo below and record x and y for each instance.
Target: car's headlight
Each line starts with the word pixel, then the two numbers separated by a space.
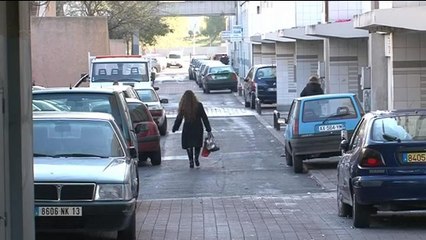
pixel 113 192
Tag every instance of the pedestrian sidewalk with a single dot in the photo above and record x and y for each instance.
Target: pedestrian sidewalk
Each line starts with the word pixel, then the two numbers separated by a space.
pixel 326 177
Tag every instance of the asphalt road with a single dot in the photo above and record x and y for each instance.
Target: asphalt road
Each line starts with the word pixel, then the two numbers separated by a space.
pixel 248 163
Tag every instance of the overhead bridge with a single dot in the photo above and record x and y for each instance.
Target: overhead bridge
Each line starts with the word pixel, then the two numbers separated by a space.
pixel 197 8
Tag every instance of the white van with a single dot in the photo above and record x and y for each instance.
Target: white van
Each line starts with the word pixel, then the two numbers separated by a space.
pixel 174 58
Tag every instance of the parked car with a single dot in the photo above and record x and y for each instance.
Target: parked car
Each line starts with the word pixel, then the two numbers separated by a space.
pixel 150 97
pixel 174 58
pixel 193 64
pixel 382 167
pixel 105 100
pixel 260 83
pixel 158 59
pixel 314 124
pixel 219 77
pixel 147 131
pixel 85 176
pixel 202 70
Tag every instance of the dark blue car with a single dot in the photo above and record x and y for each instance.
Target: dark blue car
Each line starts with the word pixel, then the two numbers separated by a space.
pixel 383 165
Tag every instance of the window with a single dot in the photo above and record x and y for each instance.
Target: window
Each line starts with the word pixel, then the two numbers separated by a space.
pixel 120 71
pixel 147 95
pixel 405 128
pixel 138 112
pixel 358 134
pixel 334 108
pixel 76 137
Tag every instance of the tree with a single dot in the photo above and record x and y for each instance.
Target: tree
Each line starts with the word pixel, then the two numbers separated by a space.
pixel 124 18
pixel 214 25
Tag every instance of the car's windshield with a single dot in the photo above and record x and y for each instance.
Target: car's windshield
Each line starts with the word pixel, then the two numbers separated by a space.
pixel 404 128
pixel 328 109
pixel 147 95
pixel 83 102
pixel 120 72
pixel 90 138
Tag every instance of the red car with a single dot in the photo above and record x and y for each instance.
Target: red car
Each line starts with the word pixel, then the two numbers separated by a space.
pixel 146 130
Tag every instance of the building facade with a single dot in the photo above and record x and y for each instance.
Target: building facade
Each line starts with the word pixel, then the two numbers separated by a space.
pixel 361 47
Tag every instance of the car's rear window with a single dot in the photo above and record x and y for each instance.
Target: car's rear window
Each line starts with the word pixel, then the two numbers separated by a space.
pixel 138 112
pixel 147 95
pixel 332 108
pixel 224 69
pixel 83 102
pixel 266 72
pixel 404 128
pixel 78 138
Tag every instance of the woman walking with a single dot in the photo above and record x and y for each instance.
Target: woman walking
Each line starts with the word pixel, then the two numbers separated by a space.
pixel 193 112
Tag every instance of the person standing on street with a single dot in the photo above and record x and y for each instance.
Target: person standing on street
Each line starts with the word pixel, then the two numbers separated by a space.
pixel 313 87
pixel 192 111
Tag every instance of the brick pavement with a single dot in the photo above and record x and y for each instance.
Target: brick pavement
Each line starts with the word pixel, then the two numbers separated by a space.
pixel 297 216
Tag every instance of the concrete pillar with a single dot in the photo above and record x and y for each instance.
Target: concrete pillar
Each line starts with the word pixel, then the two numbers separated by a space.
pixel 268 53
pixel 326 61
pixel 378 63
pixel 257 54
pixel 286 82
pixel 16 160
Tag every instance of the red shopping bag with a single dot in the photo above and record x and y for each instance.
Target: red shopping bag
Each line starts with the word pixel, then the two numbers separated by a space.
pixel 205 152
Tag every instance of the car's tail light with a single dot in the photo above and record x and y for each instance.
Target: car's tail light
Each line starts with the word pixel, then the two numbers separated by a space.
pixel 371 158
pixel 296 127
pixel 234 76
pixel 253 86
pixel 156 113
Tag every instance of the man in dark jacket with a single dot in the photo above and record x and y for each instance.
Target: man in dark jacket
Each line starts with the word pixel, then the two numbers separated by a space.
pixel 313 87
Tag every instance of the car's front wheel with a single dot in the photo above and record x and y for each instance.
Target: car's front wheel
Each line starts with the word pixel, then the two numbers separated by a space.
pixel 155 158
pixel 129 233
pixel 360 214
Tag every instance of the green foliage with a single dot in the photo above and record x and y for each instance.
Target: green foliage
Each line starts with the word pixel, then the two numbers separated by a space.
pixel 214 25
pixel 125 18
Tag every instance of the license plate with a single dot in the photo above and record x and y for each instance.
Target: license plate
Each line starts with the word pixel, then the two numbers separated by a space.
pixel 58 211
pixel 414 157
pixel 221 77
pixel 327 128
pixel 272 89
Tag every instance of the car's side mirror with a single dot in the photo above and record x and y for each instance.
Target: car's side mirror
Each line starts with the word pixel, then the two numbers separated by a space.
pixel 344 135
pixel 344 145
pixel 156 88
pixel 132 151
pixel 164 100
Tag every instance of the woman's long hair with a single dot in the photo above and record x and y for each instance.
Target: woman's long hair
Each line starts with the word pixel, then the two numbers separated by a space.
pixel 188 106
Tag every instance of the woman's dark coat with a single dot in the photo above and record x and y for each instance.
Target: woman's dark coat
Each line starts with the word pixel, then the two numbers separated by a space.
pixel 192 132
pixel 311 89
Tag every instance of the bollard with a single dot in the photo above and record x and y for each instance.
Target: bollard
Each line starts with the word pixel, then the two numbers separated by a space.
pixel 258 106
pixel 276 117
